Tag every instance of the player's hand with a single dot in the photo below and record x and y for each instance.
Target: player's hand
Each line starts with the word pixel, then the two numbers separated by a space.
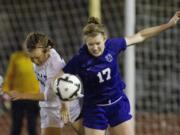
pixel 4 95
pixel 174 20
pixel 64 111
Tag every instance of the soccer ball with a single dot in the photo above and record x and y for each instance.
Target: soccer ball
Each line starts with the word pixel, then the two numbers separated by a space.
pixel 68 87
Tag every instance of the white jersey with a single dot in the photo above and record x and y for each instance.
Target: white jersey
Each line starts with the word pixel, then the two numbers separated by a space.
pixel 50 107
pixel 45 74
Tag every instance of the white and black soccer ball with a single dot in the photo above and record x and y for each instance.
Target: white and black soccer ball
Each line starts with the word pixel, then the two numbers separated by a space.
pixel 68 87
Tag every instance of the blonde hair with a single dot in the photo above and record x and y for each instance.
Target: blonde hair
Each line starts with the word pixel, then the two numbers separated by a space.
pixel 93 28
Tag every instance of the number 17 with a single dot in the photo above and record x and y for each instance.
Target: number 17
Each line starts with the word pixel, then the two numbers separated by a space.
pixel 101 75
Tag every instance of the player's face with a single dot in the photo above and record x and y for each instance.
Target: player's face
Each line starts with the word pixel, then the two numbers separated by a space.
pixel 38 56
pixel 95 44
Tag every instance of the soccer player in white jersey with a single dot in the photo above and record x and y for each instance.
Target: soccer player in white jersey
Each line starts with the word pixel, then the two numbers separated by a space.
pixel 47 64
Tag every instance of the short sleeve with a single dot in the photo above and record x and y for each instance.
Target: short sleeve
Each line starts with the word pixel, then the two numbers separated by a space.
pixel 54 64
pixel 116 44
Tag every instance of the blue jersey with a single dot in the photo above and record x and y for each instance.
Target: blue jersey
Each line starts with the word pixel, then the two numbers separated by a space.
pixel 100 75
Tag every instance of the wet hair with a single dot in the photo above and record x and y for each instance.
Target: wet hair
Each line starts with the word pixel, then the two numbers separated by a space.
pixel 93 28
pixel 35 39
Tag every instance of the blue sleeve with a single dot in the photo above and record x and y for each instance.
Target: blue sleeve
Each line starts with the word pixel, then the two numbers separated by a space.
pixel 72 66
pixel 116 44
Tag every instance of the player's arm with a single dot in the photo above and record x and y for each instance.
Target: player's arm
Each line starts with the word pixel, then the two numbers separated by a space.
pixel 15 95
pixel 152 31
pixel 65 112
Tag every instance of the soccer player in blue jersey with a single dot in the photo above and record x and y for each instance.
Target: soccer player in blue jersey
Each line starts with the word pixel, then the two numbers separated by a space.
pixel 105 103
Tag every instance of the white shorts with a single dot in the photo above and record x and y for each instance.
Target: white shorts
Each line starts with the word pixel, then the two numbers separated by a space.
pixel 50 116
pixel 75 110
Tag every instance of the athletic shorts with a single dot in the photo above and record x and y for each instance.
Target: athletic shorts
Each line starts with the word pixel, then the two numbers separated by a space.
pixel 103 115
pixel 50 116
pixel 75 110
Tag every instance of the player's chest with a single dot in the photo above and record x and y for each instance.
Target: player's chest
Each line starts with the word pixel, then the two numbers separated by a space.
pixel 98 70
pixel 41 76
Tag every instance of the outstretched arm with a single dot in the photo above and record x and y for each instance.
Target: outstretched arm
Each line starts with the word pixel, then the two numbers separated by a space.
pixel 152 31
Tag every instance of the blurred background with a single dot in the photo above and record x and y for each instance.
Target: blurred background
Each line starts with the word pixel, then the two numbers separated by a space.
pixel 157 61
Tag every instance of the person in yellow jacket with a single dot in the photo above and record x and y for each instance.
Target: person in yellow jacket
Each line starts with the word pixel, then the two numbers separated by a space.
pixel 20 77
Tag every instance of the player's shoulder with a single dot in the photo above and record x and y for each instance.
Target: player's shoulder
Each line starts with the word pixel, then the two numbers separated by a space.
pixel 53 52
pixel 116 43
pixel 82 55
pixel 79 55
pixel 17 54
pixel 111 41
pixel 56 59
pixel 83 51
pixel 54 55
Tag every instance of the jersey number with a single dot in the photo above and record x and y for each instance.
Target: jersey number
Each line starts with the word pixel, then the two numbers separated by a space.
pixel 104 75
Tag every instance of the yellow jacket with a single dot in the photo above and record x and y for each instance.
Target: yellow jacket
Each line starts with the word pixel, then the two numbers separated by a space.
pixel 20 74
